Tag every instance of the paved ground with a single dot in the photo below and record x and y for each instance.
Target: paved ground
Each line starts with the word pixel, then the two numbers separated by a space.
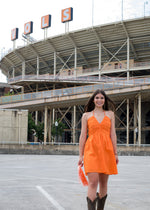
pixel 34 182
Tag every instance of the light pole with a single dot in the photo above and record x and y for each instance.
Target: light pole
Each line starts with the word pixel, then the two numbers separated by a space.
pixel 56 124
pixel 92 13
pixel 146 2
pixel 122 9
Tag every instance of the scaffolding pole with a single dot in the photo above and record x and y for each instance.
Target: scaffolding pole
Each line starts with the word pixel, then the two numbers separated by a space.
pixel 100 59
pixel 128 58
pixel 127 122
pixel 50 126
pixel 45 125
pixel 74 124
pixel 23 69
pixel 13 72
pixel 139 119
pixel 53 114
pixel 135 121
pixel 36 122
pixel 37 70
pixel 36 117
pixel 75 62
pixel 54 64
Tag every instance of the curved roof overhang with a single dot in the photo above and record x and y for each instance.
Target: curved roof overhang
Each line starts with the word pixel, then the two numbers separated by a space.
pixel 111 36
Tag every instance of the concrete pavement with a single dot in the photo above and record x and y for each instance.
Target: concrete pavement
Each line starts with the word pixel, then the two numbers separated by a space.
pixel 50 182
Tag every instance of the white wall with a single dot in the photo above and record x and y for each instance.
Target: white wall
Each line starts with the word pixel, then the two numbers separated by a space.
pixel 13 126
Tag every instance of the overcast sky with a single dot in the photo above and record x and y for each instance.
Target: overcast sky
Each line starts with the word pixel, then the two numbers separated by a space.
pixel 14 14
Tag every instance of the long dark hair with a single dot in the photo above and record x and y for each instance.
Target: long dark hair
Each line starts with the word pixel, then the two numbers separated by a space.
pixel 107 105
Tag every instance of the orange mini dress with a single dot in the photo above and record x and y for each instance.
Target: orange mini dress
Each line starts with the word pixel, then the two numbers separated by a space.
pixel 98 152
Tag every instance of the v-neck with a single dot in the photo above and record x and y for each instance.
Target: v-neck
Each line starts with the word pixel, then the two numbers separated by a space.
pixel 96 118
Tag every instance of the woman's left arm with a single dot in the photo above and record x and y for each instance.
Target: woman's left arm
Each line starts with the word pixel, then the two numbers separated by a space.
pixel 113 136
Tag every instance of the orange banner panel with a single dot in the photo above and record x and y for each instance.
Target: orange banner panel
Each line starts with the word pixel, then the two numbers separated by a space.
pixel 45 21
pixel 28 28
pixel 14 34
pixel 67 15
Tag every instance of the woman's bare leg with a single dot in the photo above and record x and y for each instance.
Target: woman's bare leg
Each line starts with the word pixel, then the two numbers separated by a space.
pixel 93 179
pixel 103 181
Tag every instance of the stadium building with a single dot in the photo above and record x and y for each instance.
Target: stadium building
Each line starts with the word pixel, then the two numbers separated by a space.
pixel 58 74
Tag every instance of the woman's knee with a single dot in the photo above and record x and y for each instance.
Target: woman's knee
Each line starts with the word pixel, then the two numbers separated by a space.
pixel 103 184
pixel 93 183
pixel 103 180
pixel 93 180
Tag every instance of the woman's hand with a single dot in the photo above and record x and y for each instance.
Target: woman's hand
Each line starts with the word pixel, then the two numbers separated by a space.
pixel 80 162
pixel 117 160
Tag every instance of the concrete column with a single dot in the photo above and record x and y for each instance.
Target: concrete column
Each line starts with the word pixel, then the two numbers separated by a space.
pixel 54 64
pixel 53 116
pixel 37 70
pixel 13 73
pixel 23 69
pixel 100 59
pixel 42 116
pixel 45 126
pixel 8 75
pixel 37 87
pixel 19 126
pixel 22 90
pixel 128 59
pixel 135 121
pixel 139 119
pixel 127 122
pixel 36 122
pixel 74 124
pixel 75 62
pixel 36 117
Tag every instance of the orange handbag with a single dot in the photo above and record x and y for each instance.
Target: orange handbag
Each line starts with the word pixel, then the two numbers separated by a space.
pixel 82 176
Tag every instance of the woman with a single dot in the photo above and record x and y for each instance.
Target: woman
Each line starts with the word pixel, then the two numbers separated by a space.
pixel 99 151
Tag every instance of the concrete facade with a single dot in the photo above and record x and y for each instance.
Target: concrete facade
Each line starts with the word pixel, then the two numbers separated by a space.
pixel 13 126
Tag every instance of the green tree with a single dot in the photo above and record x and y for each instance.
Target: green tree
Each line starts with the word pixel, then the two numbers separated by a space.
pixel 39 128
pixel 9 93
pixel 59 129
pixel 31 126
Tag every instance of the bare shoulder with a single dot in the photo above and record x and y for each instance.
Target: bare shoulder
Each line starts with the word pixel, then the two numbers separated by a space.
pixel 110 114
pixel 87 115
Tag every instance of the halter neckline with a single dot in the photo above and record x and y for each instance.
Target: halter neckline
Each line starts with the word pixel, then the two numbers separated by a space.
pixel 103 111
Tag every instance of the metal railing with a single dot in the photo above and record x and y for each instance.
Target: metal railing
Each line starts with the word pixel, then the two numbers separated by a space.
pixel 141 64
pixel 47 77
pixel 80 75
pixel 74 90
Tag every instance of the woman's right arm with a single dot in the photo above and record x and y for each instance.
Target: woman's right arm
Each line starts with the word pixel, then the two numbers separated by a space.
pixel 82 139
